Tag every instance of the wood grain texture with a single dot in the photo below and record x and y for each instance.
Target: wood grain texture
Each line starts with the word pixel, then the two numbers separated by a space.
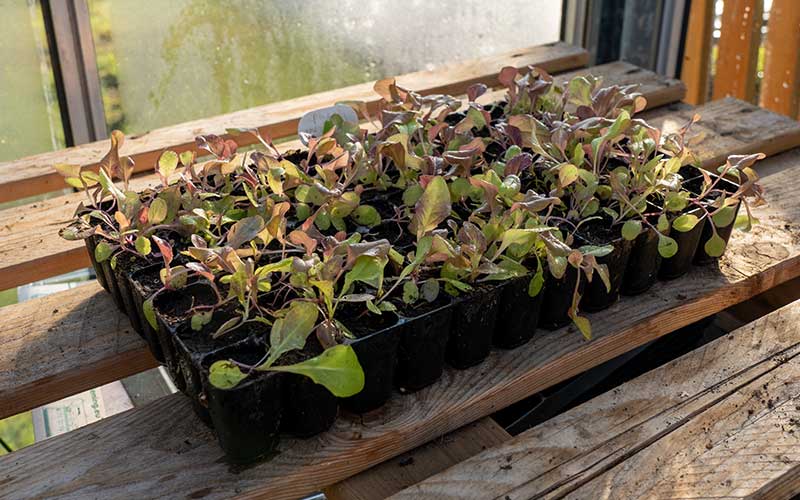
pixel 35 175
pixel 31 250
pixel 115 458
pixel 61 344
pixel 737 56
pixel 411 467
pixel 697 51
pixel 719 422
pixel 780 87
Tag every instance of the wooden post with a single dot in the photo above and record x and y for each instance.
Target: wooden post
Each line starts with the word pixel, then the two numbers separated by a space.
pixel 697 51
pixel 738 50
pixel 781 83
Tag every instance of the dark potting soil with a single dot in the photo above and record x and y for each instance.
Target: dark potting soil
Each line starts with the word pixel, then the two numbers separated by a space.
pixel 173 305
pixel 360 322
pixel 422 306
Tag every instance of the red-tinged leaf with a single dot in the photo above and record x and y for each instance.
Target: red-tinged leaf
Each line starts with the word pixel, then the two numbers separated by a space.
pixel 476 90
pixel 165 248
pixel 299 237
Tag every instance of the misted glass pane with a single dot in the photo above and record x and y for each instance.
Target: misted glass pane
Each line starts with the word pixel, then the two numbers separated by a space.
pixel 166 62
pixel 29 117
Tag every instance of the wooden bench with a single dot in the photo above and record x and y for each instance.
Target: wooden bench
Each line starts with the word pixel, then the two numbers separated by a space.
pixel 70 341
pixel 720 422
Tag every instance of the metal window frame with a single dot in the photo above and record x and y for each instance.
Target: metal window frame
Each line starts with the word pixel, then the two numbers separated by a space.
pixel 74 63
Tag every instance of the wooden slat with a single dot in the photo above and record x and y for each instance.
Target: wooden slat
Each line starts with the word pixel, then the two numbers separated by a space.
pixel 421 463
pixel 781 84
pixel 35 175
pixel 30 248
pixel 697 51
pixel 719 422
pixel 61 344
pixel 161 449
pixel 738 50
pixel 21 394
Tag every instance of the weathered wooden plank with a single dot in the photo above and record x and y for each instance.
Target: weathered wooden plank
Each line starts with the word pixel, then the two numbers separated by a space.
pixel 737 57
pixel 30 248
pixel 697 51
pixel 61 344
pixel 781 84
pixel 421 463
pixel 718 422
pixel 166 433
pixel 35 175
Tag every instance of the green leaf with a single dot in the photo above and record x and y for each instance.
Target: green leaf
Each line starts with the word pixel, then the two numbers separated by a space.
pixel 460 188
pixel 663 224
pixel 511 152
pixel 200 319
pixel 583 325
pixel 567 174
pixel 367 269
pixel 187 157
pixel 167 163
pixel 283 265
pixel 142 245
pixel 715 246
pixel 157 211
pixel 412 194
pixel 290 331
pixel 667 247
pixel 372 307
pixel 675 202
pixel 685 222
pixel 597 251
pixel 225 375
pixel 537 282
pixel 724 216
pixel 522 237
pixel 245 230
pixel 432 208
pixel 631 229
pixel 744 222
pixel 366 215
pixel 102 251
pixel 430 289
pixel 410 292
pixel 477 118
pixel 337 369
pixel 150 313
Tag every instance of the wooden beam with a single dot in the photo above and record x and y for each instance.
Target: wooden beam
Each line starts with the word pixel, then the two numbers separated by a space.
pixel 421 463
pixel 65 343
pixel 31 250
pixel 719 422
pixel 738 50
pixel 780 88
pixel 163 449
pixel 697 51
pixel 35 174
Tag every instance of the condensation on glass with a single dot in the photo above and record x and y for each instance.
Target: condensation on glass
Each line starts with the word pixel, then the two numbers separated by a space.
pixel 30 121
pixel 162 63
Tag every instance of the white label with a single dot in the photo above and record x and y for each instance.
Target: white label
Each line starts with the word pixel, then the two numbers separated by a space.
pixel 313 122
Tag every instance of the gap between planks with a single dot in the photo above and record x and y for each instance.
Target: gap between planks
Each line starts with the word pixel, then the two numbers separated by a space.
pixel 115 457
pixel 35 175
pixel 31 250
pixel 722 421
